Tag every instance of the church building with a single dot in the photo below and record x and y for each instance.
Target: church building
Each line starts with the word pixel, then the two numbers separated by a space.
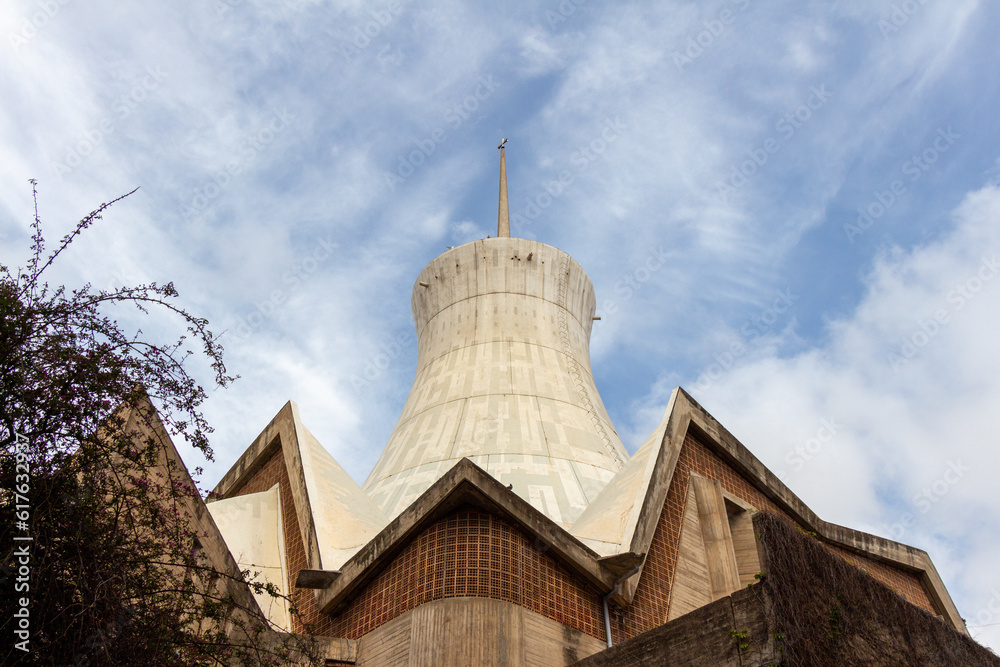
pixel 505 523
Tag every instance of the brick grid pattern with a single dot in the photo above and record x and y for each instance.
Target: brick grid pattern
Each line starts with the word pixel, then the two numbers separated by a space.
pixel 652 598
pixel 651 601
pixel 274 472
pixel 473 554
pixel 709 465
pixel 906 584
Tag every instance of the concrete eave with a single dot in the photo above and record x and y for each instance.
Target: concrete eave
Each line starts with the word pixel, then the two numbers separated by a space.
pixel 464 484
pixel 256 455
pixel 147 421
pixel 687 415
pixel 281 429
pixel 468 484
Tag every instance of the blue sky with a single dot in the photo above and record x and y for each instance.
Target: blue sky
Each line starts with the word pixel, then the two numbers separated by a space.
pixel 790 209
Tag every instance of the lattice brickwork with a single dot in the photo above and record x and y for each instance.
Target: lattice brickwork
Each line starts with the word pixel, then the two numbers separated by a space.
pixel 473 554
pixel 652 599
pixel 274 472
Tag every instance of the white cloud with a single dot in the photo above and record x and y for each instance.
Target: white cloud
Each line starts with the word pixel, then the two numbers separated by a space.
pixel 909 380
pixel 440 85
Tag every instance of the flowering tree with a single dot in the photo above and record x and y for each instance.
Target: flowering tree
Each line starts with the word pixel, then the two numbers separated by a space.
pixel 108 556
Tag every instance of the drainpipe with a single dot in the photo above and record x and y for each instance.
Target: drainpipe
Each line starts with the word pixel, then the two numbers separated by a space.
pixel 604 600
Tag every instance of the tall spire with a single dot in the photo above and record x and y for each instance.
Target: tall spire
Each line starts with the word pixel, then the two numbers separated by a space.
pixel 503 216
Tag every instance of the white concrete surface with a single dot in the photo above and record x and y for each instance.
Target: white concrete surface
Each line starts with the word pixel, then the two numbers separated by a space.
pixel 503 372
pixel 251 527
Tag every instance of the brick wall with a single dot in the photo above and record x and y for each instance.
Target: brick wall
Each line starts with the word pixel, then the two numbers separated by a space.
pixel 274 472
pixel 708 464
pixel 475 554
pixel 652 598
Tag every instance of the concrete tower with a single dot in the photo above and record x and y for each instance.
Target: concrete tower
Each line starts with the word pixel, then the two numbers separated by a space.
pixel 505 524
pixel 503 378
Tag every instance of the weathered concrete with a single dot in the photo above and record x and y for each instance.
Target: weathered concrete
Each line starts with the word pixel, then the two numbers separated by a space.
pixel 610 521
pixel 730 632
pixel 504 396
pixel 641 500
pixel 691 587
pixel 723 573
pixel 474 631
pixel 503 378
pixel 251 526
pixel 336 518
pixel 466 484
pixel 144 421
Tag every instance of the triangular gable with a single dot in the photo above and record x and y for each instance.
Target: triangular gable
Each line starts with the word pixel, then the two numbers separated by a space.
pixel 346 532
pixel 251 527
pixel 335 517
pixel 345 517
pixel 143 420
pixel 465 484
pixel 641 491
pixel 608 524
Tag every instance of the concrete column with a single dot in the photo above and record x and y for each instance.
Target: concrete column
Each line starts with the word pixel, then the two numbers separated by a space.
pixel 723 573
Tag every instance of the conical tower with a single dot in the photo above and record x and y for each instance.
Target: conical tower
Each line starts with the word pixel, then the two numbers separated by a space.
pixel 503 378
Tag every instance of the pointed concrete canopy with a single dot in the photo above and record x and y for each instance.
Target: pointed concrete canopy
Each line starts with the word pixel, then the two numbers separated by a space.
pixel 252 527
pixel 334 516
pixel 503 216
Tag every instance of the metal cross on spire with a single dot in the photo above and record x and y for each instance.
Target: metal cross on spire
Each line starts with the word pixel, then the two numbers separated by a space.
pixel 503 215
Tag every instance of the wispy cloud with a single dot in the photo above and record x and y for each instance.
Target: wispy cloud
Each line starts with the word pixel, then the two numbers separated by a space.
pixel 301 161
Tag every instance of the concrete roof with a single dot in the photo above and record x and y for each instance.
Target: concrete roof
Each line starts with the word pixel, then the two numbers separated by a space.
pixel 608 539
pixel 251 527
pixel 504 410
pixel 336 518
